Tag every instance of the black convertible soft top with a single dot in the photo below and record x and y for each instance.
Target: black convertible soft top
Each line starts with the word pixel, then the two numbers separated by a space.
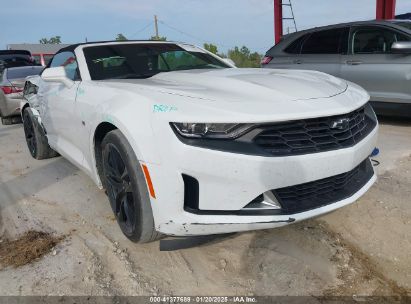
pixel 72 47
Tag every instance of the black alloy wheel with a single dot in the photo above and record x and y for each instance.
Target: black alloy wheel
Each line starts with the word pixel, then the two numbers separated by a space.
pixel 119 188
pixel 125 185
pixel 30 134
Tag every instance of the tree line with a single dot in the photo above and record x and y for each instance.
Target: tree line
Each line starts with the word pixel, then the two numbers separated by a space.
pixel 242 57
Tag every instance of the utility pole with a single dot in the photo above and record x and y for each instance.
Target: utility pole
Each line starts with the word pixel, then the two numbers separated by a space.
pixel 156 26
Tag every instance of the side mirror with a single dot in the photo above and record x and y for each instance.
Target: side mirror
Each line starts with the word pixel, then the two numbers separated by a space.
pixel 401 47
pixel 229 62
pixel 57 74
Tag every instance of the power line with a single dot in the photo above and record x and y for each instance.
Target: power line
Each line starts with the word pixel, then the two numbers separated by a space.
pixel 198 38
pixel 142 29
pixel 181 32
pixel 194 37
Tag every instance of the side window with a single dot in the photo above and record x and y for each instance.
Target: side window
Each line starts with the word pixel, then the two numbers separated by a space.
pixel 69 62
pixel 374 40
pixel 162 64
pixel 325 42
pixel 179 59
pixel 295 46
pixel 401 37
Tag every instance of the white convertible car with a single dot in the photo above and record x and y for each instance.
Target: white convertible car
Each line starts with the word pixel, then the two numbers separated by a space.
pixel 184 143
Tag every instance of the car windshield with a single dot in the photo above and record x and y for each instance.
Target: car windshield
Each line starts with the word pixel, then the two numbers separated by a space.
pixel 126 61
pixel 405 24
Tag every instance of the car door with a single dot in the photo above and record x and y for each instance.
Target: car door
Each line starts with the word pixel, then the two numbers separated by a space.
pixel 59 115
pixel 322 51
pixel 371 64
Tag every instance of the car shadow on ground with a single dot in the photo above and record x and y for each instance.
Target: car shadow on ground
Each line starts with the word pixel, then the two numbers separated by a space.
pixel 395 121
pixel 10 127
pixel 178 243
pixel 30 183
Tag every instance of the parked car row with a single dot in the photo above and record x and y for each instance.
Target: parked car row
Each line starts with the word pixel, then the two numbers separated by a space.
pixel 16 58
pixel 373 54
pixel 15 66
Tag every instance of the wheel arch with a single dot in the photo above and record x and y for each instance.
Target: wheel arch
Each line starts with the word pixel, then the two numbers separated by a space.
pixel 35 113
pixel 102 129
pixel 26 105
pixel 99 133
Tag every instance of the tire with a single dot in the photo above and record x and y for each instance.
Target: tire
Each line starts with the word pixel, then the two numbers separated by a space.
pixel 11 120
pixel 36 139
pixel 126 188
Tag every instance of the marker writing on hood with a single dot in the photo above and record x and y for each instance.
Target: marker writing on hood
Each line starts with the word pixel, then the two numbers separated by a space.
pixel 161 108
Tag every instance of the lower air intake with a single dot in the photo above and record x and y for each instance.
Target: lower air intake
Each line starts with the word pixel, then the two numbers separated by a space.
pixel 304 197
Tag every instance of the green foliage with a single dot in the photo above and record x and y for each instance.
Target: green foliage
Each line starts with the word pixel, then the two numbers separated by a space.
pixel 52 40
pixel 211 48
pixel 158 38
pixel 121 37
pixel 243 57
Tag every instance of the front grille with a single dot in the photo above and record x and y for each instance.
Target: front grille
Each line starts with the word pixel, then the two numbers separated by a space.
pixel 303 197
pixel 315 135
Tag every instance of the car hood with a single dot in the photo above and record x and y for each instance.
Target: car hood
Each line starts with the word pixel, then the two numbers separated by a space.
pixel 244 84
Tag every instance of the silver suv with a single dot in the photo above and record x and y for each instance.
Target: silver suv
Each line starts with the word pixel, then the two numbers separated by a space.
pixel 374 54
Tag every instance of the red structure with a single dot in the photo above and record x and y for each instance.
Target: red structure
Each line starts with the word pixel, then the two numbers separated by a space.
pixel 278 20
pixel 385 10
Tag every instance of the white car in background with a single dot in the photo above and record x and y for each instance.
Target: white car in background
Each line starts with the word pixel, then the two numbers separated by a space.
pixel 12 81
pixel 184 143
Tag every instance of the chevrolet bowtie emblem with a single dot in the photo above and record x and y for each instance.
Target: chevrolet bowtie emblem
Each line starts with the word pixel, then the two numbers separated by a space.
pixel 340 124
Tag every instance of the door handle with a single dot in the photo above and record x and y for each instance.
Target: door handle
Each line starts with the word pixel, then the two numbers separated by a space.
pixel 297 61
pixel 353 62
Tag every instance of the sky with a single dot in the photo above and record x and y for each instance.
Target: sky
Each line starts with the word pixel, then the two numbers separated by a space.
pixel 226 23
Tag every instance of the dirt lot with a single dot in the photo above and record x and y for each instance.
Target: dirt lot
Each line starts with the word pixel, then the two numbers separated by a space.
pixel 362 249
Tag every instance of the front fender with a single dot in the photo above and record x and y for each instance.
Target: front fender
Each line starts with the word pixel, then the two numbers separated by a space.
pixel 35 113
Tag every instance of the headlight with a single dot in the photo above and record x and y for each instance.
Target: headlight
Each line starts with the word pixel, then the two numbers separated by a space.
pixel 210 130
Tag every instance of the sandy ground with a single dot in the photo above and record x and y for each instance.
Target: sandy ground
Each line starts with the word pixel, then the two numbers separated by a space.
pixel 362 249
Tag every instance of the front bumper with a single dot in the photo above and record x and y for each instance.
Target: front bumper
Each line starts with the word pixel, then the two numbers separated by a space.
pixel 229 181
pixel 211 224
